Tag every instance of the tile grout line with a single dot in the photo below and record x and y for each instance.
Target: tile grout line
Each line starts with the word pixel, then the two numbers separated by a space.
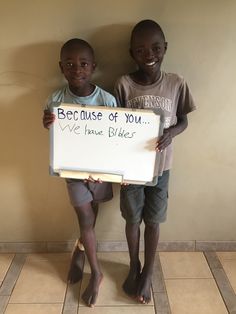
pixel 71 303
pixel 10 280
pixel 72 295
pixel 12 274
pixel 4 299
pixel 222 281
pixel 160 296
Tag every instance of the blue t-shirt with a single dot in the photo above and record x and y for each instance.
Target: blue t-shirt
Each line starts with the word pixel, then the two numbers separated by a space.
pixel 99 97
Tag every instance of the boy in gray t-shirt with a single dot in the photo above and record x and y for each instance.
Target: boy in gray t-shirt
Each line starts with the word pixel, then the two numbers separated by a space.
pixel 169 95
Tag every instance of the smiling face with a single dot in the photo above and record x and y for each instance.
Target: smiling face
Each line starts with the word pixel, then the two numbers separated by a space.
pixel 148 48
pixel 77 64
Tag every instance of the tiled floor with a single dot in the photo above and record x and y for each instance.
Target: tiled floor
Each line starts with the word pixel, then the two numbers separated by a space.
pixel 183 282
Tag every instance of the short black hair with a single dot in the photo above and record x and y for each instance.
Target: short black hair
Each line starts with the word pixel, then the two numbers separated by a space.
pixel 146 25
pixel 76 42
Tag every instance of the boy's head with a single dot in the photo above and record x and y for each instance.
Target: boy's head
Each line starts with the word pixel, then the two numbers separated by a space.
pixel 148 46
pixel 77 63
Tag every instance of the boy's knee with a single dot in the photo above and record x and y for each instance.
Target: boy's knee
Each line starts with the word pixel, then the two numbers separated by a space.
pixel 152 225
pixel 86 217
pixel 130 224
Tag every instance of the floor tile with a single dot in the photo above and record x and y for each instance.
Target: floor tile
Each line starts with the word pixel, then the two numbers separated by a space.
pixel 194 296
pixel 184 265
pixel 228 261
pixel 5 262
pixel 115 268
pixel 49 256
pixel 223 283
pixel 34 309
pixel 226 255
pixel 140 309
pixel 191 289
pixel 41 281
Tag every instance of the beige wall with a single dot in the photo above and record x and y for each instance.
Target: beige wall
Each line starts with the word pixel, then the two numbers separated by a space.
pixel 202 47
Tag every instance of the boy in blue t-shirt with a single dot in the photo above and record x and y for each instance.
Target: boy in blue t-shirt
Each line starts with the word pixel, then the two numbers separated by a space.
pixel 77 63
pixel 169 96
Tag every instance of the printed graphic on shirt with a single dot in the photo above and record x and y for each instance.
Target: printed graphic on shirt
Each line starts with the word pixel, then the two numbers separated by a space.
pixel 150 101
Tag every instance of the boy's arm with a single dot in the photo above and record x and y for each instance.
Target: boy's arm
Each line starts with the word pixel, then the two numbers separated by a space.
pixel 168 134
pixel 185 105
pixel 48 118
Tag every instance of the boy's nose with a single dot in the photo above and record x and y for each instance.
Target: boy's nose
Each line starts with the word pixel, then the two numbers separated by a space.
pixel 76 68
pixel 149 54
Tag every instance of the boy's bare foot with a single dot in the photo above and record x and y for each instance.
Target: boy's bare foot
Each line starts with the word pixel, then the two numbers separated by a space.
pixel 144 289
pixel 91 292
pixel 76 267
pixel 131 282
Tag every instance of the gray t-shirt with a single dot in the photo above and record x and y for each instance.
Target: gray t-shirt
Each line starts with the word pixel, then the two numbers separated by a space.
pixel 169 97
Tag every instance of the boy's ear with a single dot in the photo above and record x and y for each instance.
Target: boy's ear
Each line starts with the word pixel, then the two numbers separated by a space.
pixel 60 66
pixel 166 45
pixel 131 53
pixel 94 66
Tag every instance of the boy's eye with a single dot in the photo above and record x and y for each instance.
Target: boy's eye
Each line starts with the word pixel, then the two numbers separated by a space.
pixel 156 49
pixel 84 64
pixel 139 51
pixel 69 65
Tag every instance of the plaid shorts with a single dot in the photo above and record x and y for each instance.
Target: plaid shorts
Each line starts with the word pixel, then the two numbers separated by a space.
pixel 147 203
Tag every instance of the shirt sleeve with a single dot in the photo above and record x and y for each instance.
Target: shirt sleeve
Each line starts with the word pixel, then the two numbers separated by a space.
pixel 56 97
pixel 119 95
pixel 48 103
pixel 108 100
pixel 185 102
pixel 113 102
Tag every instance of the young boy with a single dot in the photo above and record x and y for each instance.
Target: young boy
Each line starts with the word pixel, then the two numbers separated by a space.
pixel 169 96
pixel 77 63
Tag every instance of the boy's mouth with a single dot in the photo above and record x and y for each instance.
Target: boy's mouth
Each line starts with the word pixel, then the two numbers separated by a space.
pixel 151 64
pixel 77 78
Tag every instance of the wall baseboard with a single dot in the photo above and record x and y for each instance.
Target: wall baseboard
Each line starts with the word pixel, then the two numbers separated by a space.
pixel 112 246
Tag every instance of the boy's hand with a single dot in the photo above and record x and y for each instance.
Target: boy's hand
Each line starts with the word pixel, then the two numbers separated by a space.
pixel 91 179
pixel 164 140
pixel 48 118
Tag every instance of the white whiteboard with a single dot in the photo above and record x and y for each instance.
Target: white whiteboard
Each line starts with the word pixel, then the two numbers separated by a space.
pixel 114 144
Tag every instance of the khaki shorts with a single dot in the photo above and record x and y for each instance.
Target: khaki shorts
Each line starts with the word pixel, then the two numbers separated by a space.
pixel 147 203
pixel 81 193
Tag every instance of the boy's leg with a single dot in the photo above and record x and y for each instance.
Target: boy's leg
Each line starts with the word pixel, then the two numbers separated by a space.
pixel 151 237
pixel 87 219
pixel 77 261
pixel 133 236
pixel 155 209
pixel 131 204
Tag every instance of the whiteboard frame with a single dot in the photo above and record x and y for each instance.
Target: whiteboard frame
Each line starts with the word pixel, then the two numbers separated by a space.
pixel 106 176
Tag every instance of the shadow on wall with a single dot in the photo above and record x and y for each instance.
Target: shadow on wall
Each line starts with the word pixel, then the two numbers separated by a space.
pixel 24 142
pixel 111 45
pixel 29 197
